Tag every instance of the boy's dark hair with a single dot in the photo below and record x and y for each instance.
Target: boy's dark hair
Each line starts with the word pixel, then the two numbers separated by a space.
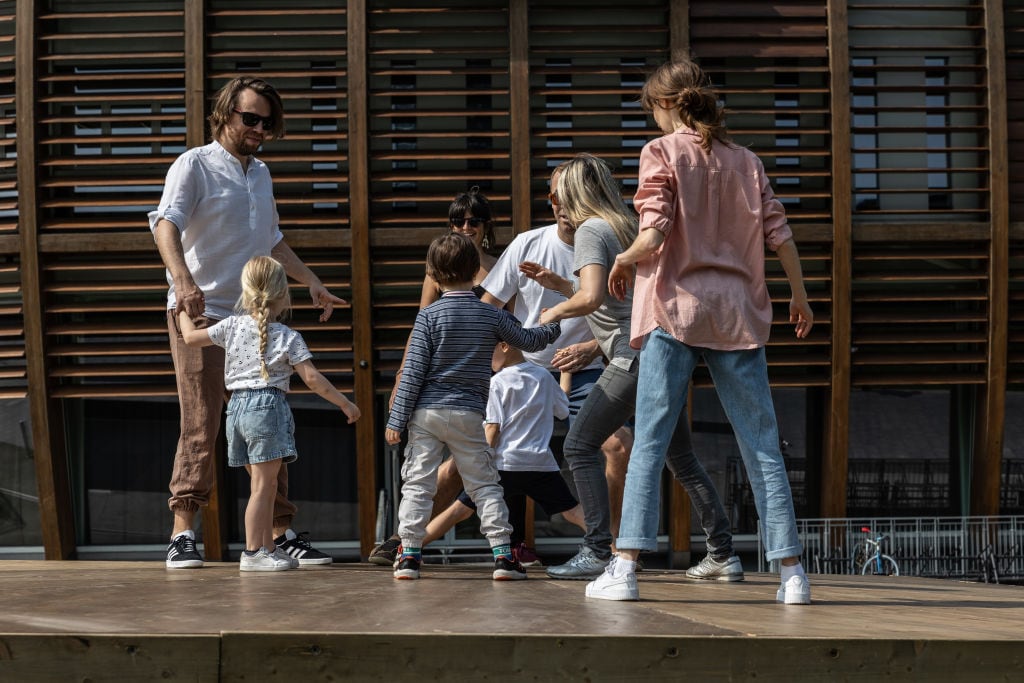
pixel 452 259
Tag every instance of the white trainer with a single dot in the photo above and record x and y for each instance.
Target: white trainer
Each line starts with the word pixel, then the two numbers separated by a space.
pixel 795 591
pixel 263 561
pixel 612 586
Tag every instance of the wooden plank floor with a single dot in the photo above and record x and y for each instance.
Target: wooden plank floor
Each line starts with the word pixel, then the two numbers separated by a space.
pixel 137 620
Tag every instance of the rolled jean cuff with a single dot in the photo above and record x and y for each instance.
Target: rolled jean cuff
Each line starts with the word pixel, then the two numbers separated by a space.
pixel 184 505
pixel 791 551
pixel 624 543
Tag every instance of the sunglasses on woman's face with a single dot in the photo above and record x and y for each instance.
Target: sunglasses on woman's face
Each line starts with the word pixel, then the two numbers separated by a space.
pixel 252 120
pixel 553 198
pixel 473 222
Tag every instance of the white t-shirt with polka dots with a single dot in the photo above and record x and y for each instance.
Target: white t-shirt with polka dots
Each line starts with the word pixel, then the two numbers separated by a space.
pixel 240 338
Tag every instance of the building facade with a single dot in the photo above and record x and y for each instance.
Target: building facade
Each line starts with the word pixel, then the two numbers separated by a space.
pixel 891 131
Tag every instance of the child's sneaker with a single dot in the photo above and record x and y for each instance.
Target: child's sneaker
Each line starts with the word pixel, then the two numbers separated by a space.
pixel 293 562
pixel 525 555
pixel 795 591
pixel 407 567
pixel 182 553
pixel 709 568
pixel 612 586
pixel 298 546
pixel 263 561
pixel 508 569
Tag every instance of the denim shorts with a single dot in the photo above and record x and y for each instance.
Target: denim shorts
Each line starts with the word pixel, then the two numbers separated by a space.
pixel 260 427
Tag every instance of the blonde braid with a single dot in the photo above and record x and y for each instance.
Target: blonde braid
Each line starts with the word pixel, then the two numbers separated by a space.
pixel 262 315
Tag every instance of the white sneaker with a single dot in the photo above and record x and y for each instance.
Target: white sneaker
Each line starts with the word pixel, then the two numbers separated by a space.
pixel 795 591
pixel 610 586
pixel 263 561
pixel 280 554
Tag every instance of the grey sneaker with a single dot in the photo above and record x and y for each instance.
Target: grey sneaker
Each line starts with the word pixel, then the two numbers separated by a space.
pixel 583 566
pixel 280 554
pixel 263 561
pixel 711 569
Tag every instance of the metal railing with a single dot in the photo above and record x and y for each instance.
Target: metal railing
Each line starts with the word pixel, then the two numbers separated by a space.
pixel 943 547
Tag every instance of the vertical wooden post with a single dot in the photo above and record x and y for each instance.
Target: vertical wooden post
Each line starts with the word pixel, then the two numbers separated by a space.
pixel 680 522
pixel 834 464
pixel 359 223
pixel 988 442
pixel 519 113
pixel 52 481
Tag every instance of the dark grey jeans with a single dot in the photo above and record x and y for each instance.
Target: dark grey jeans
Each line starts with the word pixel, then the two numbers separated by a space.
pixel 610 404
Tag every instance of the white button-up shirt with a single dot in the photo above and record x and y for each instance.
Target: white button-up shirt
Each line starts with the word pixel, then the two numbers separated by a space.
pixel 226 215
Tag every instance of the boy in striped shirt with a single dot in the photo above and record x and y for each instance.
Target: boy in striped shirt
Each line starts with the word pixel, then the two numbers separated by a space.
pixel 442 398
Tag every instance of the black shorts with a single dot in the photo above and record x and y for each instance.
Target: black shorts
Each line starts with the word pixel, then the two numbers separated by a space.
pixel 547 489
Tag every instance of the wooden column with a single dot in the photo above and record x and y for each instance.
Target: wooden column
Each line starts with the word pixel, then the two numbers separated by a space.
pixel 55 509
pixel 680 523
pixel 519 113
pixel 837 419
pixel 359 222
pixel 988 441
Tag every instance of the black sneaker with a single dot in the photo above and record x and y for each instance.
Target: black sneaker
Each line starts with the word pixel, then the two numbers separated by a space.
pixel 297 546
pixel 182 553
pixel 508 569
pixel 408 567
pixel 385 553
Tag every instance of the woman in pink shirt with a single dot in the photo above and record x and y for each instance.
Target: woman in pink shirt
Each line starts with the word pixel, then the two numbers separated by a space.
pixel 706 213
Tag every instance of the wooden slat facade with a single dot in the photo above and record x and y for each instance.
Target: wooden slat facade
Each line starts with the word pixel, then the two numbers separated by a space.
pixel 890 131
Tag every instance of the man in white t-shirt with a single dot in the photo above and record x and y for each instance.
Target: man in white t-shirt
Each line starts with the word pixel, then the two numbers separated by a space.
pixel 577 351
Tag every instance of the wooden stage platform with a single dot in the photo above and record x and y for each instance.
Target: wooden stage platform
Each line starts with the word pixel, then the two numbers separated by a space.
pixel 137 621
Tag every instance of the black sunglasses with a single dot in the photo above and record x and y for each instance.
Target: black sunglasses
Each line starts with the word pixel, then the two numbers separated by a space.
pixel 252 120
pixel 473 222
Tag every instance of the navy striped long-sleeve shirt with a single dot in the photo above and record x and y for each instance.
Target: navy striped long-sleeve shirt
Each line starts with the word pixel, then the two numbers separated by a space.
pixel 448 364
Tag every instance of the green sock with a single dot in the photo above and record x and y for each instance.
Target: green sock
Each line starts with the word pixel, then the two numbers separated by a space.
pixel 500 550
pixel 412 552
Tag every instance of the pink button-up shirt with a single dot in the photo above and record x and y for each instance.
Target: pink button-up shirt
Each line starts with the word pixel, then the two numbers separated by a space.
pixel 705 285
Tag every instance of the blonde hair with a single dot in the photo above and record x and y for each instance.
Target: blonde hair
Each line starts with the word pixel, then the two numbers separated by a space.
pixel 586 189
pixel 264 286
pixel 688 89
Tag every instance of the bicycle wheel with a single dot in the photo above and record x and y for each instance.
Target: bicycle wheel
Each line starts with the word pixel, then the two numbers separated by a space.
pixel 889 567
pixel 860 556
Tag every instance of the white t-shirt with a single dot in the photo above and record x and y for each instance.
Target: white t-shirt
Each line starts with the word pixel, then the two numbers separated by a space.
pixel 543 246
pixel 240 338
pixel 524 401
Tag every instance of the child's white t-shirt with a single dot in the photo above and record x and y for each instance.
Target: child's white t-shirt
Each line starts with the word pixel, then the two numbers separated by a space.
pixel 240 337
pixel 524 401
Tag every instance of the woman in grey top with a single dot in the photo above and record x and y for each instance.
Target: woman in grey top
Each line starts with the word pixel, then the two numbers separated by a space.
pixel 593 201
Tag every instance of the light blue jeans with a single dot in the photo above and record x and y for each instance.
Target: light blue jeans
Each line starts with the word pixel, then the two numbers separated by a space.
pixel 741 380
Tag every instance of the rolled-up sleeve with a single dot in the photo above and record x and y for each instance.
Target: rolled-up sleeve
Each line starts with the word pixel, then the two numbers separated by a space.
pixel 655 198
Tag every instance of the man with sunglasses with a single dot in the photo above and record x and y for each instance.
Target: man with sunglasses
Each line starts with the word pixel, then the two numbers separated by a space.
pixel 217 211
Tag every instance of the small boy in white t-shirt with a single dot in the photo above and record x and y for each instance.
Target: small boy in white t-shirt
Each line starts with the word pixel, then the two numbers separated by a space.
pixel 522 404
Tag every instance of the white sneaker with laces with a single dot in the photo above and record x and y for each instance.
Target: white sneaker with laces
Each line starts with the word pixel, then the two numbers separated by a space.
pixel 262 561
pixel 612 586
pixel 795 591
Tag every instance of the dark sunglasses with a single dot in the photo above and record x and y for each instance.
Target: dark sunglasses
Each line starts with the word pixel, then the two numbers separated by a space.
pixel 252 120
pixel 473 222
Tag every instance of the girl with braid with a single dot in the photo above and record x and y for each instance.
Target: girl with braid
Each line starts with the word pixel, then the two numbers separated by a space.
pixel 260 356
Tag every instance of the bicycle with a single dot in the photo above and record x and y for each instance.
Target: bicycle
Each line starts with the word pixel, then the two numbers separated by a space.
pixel 989 572
pixel 876 562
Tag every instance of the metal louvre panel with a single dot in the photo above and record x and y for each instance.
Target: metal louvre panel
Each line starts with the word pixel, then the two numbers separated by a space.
pixel 13 379
pixel 300 48
pixel 8 140
pixel 1013 18
pixel 918 110
pixel 439 125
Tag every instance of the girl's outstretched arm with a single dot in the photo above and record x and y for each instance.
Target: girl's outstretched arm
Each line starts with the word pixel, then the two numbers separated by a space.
pixel 318 383
pixel 190 334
